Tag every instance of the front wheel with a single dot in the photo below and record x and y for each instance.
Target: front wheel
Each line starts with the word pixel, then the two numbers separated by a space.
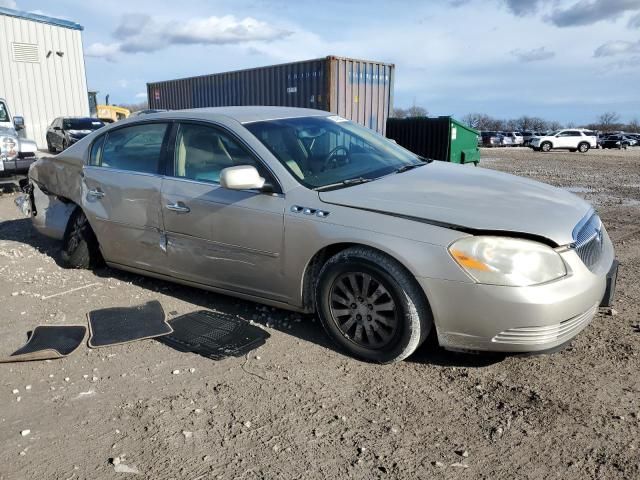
pixel 371 306
pixel 545 147
pixel 583 147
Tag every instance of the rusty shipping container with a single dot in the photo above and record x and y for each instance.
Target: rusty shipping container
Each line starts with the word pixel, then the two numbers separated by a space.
pixel 360 90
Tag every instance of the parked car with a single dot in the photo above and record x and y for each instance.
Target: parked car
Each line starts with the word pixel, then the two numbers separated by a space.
pixel 618 141
pixel 491 139
pixel 636 137
pixel 517 138
pixel 16 153
pixel 65 131
pixel 304 210
pixel 572 139
pixel 505 140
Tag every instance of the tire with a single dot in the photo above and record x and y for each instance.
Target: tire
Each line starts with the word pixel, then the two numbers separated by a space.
pixel 64 145
pixel 80 247
pixel 50 148
pixel 583 147
pixel 545 146
pixel 400 318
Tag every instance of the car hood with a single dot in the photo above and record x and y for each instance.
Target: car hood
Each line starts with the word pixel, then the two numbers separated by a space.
pixel 472 199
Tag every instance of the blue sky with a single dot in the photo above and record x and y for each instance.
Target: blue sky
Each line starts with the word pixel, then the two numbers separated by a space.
pixel 566 60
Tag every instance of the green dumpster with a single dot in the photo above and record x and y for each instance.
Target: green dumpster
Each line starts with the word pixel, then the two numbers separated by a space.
pixel 439 138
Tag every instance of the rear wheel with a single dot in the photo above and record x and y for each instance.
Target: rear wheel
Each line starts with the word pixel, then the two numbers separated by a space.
pixel 80 246
pixel 371 306
pixel 583 147
pixel 546 146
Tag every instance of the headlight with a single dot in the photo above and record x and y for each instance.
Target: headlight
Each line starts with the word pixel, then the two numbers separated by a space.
pixel 617 143
pixel 8 148
pixel 507 261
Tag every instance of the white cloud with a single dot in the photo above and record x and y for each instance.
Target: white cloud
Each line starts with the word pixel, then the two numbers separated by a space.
pixel 141 95
pixel 618 47
pixel 143 33
pixel 8 4
pixel 534 55
pixel 100 50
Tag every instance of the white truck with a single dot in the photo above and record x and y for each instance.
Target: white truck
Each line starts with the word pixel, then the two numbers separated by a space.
pixel 572 139
pixel 16 153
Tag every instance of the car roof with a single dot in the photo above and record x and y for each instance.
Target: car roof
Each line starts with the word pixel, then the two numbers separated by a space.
pixel 242 114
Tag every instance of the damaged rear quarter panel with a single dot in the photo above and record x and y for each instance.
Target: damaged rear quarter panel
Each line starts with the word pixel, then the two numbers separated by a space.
pixel 57 190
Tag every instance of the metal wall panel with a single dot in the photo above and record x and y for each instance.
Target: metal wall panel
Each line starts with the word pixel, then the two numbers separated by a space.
pixel 51 87
pixel 429 137
pixel 355 89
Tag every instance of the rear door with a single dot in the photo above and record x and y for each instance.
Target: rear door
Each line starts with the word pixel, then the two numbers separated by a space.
pixel 121 195
pixel 219 237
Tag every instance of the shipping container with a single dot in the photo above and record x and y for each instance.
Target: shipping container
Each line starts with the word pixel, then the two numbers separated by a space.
pixel 438 138
pixel 359 90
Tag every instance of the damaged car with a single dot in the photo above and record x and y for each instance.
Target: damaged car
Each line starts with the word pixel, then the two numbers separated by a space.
pixel 303 210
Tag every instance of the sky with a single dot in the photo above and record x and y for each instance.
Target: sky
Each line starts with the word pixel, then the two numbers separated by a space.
pixel 564 60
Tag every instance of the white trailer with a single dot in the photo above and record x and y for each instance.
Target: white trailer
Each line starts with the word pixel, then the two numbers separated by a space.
pixel 42 74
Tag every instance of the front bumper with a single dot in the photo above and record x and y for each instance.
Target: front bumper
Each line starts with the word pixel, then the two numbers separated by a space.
pixel 19 165
pixel 471 316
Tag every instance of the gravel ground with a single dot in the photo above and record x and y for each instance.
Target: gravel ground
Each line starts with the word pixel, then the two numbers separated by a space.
pixel 296 407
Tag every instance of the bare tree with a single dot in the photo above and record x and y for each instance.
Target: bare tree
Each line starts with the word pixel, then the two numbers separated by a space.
pixel 416 111
pixel 634 126
pixel 609 121
pixel 554 125
pixel 399 113
pixel 412 111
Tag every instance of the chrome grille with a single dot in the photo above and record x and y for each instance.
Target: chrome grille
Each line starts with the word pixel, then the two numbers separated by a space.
pixel 546 334
pixel 588 239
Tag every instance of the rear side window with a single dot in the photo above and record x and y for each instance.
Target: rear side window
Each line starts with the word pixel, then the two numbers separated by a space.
pixel 96 151
pixel 137 148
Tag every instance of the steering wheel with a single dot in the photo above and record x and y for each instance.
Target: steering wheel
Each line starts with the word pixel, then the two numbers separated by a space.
pixel 333 156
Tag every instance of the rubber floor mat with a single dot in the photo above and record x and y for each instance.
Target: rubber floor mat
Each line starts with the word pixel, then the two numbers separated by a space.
pixel 48 342
pixel 114 326
pixel 214 335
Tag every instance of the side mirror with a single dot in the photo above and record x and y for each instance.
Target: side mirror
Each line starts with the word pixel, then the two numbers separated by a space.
pixel 18 123
pixel 57 128
pixel 242 177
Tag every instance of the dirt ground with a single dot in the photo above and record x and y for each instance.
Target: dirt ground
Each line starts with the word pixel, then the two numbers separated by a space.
pixel 296 407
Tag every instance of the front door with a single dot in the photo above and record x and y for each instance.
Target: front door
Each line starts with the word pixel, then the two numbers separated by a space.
pixel 121 195
pixel 219 237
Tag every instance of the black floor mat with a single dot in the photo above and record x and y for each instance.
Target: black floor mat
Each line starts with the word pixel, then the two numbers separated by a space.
pixel 48 342
pixel 113 326
pixel 214 335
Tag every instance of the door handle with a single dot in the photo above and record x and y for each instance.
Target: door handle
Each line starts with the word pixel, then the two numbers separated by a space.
pixel 95 193
pixel 178 207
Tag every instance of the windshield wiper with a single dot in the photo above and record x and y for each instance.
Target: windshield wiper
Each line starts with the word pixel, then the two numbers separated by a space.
pixel 345 183
pixel 406 168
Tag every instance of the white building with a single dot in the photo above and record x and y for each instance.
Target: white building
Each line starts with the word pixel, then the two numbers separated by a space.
pixel 42 73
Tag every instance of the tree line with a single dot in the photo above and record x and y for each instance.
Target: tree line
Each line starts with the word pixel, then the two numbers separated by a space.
pixel 607 122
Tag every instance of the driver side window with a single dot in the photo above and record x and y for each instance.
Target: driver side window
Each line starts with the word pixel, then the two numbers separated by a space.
pixel 202 152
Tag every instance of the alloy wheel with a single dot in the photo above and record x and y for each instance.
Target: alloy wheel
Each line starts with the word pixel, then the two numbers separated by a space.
pixel 364 310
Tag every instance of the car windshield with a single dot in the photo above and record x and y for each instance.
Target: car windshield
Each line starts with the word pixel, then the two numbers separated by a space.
pixel 82 124
pixel 331 151
pixel 4 114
